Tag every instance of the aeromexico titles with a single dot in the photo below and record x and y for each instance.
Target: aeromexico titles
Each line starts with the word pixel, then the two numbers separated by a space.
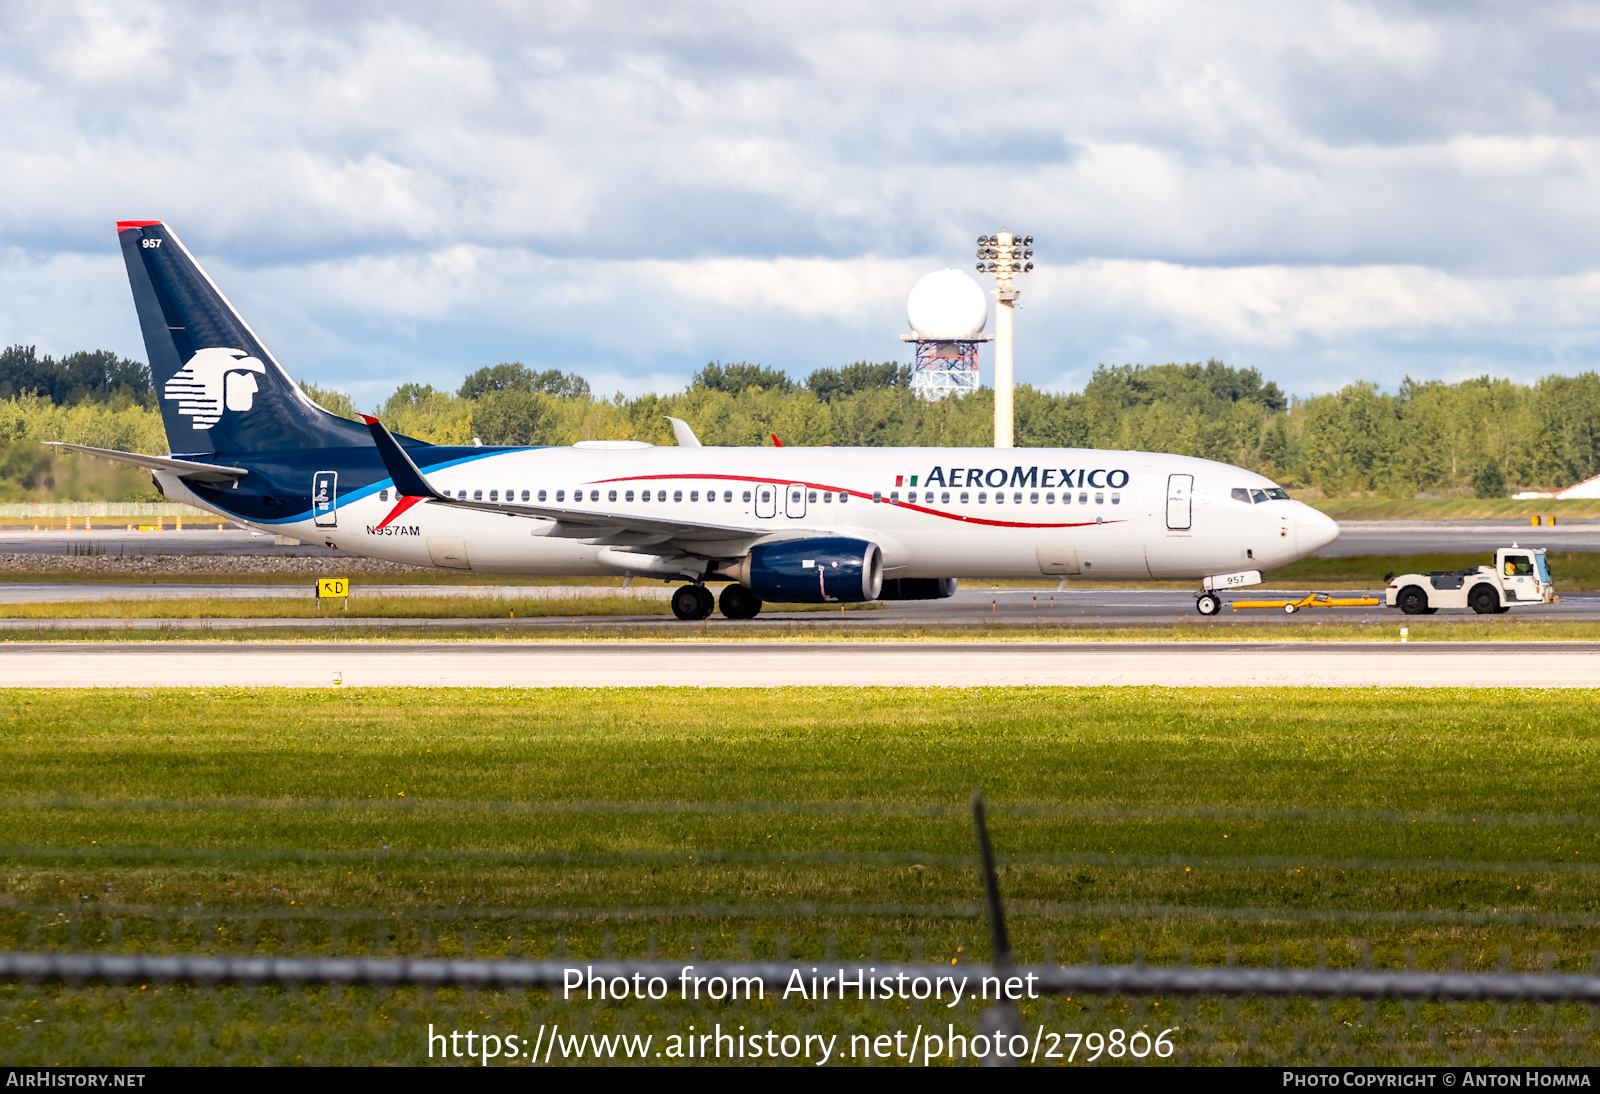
pixel 790 525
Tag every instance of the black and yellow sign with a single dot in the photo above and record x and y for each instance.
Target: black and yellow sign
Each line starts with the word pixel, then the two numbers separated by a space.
pixel 333 588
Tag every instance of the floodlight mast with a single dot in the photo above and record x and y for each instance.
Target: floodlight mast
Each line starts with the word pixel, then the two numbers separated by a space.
pixel 1005 255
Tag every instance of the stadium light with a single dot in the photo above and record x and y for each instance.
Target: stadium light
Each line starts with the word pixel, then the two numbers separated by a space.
pixel 1011 251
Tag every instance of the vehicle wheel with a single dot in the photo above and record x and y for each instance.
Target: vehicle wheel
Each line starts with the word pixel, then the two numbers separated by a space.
pixel 1208 604
pixel 737 602
pixel 1412 601
pixel 1290 609
pixel 691 602
pixel 1484 600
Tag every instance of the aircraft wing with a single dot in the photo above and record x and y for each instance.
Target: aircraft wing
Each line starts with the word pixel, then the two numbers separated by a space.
pixel 187 469
pixel 613 528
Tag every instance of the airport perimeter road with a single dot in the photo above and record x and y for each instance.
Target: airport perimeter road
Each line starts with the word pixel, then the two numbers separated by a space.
pixel 744 665
pixel 1404 537
pixel 1357 537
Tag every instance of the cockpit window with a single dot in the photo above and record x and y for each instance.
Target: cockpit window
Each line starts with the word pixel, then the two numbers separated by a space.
pixel 1258 496
pixel 1239 493
pixel 1277 493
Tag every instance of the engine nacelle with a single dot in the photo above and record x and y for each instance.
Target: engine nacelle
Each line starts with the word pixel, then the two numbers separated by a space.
pixel 918 588
pixel 812 571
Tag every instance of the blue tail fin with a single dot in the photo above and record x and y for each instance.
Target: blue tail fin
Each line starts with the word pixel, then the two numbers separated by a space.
pixel 220 391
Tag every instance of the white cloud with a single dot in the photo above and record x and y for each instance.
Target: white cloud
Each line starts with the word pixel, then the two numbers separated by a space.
pixel 1323 191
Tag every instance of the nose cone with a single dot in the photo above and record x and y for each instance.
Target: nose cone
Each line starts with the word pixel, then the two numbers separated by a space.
pixel 1314 530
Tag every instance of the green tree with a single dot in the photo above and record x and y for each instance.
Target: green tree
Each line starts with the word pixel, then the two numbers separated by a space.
pixel 738 377
pixel 1490 481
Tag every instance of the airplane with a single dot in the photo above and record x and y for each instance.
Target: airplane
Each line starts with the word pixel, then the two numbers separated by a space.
pixel 781 525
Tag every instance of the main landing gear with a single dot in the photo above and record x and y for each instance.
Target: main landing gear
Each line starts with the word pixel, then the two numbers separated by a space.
pixel 737 602
pixel 692 602
pixel 1208 604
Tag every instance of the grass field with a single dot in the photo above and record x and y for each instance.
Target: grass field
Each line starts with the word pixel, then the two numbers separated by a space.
pixel 1440 829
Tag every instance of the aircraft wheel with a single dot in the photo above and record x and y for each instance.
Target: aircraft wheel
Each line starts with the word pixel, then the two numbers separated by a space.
pixel 1412 601
pixel 1483 600
pixel 1208 604
pixel 737 602
pixel 1290 609
pixel 691 602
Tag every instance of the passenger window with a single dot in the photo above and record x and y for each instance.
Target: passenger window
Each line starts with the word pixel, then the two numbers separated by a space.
pixel 561 495
pixel 727 495
pixel 1116 499
pixel 541 495
pixel 928 497
pixel 811 495
pixel 999 498
pixel 1083 499
pixel 661 495
pixel 1238 493
pixel 383 495
pixel 694 495
pixel 644 495
pixel 843 497
pixel 494 495
pixel 982 497
pixel 628 496
pixel 827 495
pixel 1017 498
pixel 1049 499
pixel 1033 499
pixel 524 495
pixel 477 495
pixel 877 496
pixel 747 495
pixel 611 496
pixel 964 497
pixel 677 495
pixel 1099 499
pixel 944 498
pixel 894 495
pixel 594 495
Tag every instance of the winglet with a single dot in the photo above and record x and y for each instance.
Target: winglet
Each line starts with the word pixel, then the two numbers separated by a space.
pixel 685 435
pixel 775 440
pixel 407 479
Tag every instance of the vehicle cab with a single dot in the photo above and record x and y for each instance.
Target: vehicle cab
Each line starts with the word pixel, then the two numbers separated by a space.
pixel 1524 576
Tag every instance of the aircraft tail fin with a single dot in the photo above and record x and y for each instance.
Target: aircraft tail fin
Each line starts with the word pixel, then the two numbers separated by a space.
pixel 218 387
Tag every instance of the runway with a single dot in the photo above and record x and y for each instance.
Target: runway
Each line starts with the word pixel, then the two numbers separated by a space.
pixel 972 606
pixel 818 664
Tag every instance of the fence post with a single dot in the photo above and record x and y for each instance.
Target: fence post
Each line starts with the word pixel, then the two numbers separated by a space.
pixel 1000 1020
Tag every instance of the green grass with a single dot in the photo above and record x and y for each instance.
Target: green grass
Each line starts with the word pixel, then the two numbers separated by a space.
pixel 1440 828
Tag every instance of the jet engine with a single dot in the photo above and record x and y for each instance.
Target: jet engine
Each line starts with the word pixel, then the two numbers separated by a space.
pixel 812 571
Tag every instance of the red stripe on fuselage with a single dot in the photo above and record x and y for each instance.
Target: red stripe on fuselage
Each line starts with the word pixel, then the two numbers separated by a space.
pixel 404 504
pixel 858 494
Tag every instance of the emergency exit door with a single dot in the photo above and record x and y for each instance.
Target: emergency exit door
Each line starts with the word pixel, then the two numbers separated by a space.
pixel 325 499
pixel 1180 507
pixel 766 500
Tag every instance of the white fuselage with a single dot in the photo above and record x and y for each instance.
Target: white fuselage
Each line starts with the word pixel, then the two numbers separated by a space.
pixel 973 513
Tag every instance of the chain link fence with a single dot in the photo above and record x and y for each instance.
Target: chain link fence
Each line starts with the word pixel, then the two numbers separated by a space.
pixel 107 980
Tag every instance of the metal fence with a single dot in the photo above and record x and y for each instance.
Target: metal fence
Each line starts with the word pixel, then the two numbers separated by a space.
pixel 125 984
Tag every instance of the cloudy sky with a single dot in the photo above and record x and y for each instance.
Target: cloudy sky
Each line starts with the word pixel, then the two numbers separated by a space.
pixel 1324 191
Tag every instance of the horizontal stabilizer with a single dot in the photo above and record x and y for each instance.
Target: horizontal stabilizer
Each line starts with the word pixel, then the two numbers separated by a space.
pixel 186 469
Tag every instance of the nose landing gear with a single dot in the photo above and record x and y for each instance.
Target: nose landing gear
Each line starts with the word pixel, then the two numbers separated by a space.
pixel 1208 604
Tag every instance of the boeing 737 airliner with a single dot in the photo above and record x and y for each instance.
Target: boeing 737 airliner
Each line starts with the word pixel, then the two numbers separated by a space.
pixel 790 525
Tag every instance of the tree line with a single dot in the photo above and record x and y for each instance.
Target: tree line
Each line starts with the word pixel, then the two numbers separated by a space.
pixel 1483 435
